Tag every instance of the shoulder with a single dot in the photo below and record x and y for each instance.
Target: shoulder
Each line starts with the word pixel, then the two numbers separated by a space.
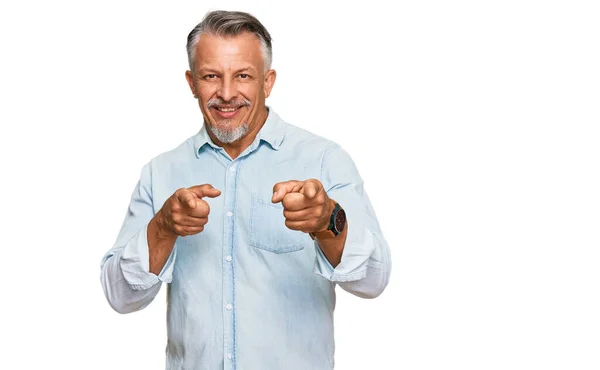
pixel 180 155
pixel 299 138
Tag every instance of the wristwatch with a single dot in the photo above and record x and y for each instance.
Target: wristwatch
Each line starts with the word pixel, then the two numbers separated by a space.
pixel 337 222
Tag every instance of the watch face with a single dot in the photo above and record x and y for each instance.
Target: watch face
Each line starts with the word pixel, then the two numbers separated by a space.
pixel 340 220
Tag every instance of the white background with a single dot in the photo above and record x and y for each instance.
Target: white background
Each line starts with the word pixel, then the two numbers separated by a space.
pixel 473 123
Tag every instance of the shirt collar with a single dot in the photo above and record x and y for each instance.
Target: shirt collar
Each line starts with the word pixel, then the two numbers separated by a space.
pixel 272 132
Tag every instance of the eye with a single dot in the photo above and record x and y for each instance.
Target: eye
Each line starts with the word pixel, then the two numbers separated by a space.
pixel 243 76
pixel 210 76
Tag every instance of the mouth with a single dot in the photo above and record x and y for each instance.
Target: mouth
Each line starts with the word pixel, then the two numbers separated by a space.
pixel 226 112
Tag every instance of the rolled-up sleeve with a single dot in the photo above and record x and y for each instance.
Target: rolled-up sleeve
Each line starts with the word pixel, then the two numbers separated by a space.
pixel 365 266
pixel 127 282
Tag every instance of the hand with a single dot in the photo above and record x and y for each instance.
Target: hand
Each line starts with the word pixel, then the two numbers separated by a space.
pixel 306 206
pixel 185 213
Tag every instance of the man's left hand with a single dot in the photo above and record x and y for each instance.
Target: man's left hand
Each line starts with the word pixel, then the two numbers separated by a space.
pixel 306 206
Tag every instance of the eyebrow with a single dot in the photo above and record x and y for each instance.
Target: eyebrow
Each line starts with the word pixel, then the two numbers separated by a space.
pixel 210 70
pixel 206 70
pixel 247 69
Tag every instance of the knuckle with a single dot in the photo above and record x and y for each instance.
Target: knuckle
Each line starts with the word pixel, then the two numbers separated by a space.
pixel 314 182
pixel 203 207
pixel 175 206
pixel 179 230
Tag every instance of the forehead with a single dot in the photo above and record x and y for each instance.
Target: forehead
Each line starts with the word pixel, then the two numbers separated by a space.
pixel 220 51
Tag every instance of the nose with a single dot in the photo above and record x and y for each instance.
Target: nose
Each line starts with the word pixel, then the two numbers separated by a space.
pixel 227 90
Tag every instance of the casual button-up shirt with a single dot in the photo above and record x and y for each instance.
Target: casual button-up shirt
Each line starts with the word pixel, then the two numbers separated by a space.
pixel 248 293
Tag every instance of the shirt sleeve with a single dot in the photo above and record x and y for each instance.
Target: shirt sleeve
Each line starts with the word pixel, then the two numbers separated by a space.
pixel 125 272
pixel 365 266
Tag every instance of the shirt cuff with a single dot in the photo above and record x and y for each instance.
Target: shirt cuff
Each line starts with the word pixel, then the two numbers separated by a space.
pixel 355 258
pixel 135 263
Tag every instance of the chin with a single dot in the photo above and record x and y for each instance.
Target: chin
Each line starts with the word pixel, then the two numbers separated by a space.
pixel 229 134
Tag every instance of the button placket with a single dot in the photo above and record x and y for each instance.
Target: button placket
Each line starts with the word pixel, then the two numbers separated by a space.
pixel 230 176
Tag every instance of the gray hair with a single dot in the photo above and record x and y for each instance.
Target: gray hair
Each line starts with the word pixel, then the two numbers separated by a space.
pixel 230 23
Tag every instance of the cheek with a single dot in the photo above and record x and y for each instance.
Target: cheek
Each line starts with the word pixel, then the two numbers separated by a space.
pixel 250 91
pixel 204 97
pixel 206 91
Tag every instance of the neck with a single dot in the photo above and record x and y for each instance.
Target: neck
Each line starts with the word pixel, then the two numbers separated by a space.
pixel 237 147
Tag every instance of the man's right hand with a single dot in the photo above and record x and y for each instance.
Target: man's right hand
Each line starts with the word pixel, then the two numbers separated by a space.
pixel 185 212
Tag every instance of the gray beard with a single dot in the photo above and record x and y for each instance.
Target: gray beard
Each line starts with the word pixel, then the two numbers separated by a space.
pixel 228 136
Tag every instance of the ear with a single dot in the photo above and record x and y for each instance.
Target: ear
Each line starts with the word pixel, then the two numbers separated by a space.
pixel 190 80
pixel 270 77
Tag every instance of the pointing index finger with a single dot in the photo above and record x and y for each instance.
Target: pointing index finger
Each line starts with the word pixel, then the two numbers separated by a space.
pixel 311 188
pixel 205 190
pixel 282 188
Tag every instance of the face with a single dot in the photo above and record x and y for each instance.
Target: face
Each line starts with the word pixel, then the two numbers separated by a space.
pixel 230 83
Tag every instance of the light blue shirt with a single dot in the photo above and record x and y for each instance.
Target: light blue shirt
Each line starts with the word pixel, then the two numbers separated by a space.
pixel 248 293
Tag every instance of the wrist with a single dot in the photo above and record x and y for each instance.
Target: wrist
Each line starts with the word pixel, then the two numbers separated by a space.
pixel 335 225
pixel 322 235
pixel 329 207
pixel 160 227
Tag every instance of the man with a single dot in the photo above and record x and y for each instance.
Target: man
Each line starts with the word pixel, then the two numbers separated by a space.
pixel 252 222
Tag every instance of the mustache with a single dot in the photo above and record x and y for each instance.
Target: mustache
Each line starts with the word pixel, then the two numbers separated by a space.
pixel 236 103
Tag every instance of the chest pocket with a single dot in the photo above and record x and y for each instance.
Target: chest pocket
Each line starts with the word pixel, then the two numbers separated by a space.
pixel 268 231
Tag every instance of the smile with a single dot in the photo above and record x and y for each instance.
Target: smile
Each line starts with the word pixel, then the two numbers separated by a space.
pixel 227 112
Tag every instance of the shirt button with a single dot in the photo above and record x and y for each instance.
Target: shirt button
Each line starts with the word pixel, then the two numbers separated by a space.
pixel 229 356
pixel 232 169
pixel 229 307
pixel 228 258
pixel 229 214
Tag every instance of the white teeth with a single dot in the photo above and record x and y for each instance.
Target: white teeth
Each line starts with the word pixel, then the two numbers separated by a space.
pixel 226 109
